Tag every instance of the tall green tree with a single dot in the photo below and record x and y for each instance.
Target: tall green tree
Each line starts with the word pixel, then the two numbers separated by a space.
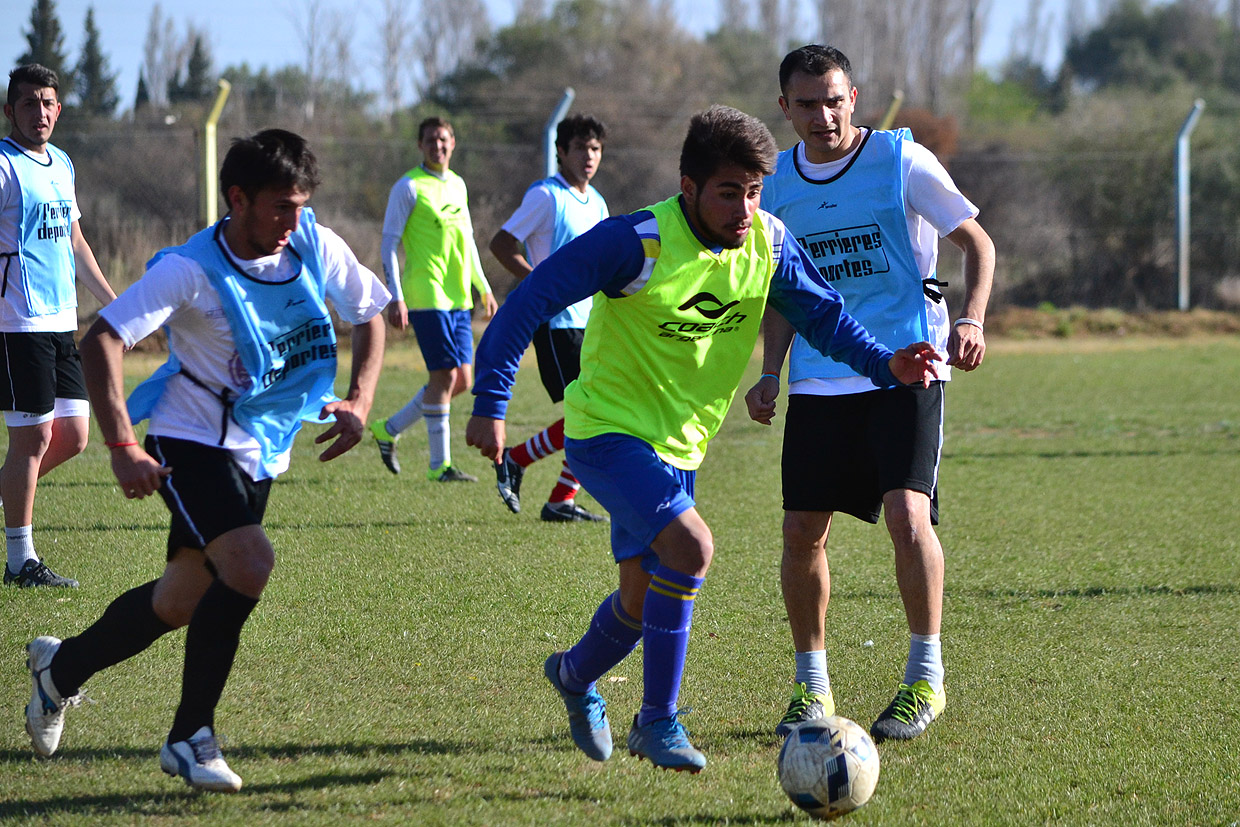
pixel 45 44
pixel 95 83
pixel 198 76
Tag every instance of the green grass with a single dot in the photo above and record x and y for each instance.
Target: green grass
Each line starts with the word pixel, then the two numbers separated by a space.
pixel 392 673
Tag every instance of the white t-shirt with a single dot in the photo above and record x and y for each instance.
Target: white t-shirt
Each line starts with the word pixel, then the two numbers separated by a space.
pixel 177 293
pixel 12 321
pixel 933 208
pixel 533 223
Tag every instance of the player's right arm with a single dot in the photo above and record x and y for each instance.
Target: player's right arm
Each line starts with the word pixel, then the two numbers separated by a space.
pixel 777 337
pixel 137 472
pixel 401 200
pixel 509 252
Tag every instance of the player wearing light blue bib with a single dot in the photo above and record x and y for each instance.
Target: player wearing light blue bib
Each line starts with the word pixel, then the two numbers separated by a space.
pixel 679 293
pixel 43 255
pixel 553 212
pixel 869 207
pixel 252 353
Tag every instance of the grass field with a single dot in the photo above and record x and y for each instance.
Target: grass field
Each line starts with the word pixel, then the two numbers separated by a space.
pixel 392 673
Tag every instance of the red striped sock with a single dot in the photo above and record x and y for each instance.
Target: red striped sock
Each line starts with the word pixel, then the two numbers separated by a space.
pixel 566 486
pixel 542 444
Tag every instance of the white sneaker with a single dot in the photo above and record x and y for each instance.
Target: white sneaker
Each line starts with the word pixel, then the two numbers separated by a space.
pixel 199 762
pixel 45 714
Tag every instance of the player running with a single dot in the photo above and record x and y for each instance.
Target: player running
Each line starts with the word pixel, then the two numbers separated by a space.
pixel 553 212
pixel 252 353
pixel 681 288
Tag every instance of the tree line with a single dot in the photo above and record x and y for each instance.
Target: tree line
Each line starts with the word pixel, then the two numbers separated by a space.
pixel 1072 167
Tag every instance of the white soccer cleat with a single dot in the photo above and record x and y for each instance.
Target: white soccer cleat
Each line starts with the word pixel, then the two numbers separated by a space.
pixel 45 714
pixel 198 760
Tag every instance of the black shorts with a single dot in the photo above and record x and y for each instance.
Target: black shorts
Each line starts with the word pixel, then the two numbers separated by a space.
pixel 842 453
pixel 38 369
pixel 559 357
pixel 207 492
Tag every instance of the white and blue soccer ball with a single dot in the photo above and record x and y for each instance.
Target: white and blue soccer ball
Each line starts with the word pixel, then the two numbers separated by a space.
pixel 828 767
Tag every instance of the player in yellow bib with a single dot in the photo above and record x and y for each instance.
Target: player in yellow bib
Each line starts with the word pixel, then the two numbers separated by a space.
pixel 428 216
pixel 680 289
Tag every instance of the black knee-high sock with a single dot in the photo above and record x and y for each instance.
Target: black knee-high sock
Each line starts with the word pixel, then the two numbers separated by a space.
pixel 210 646
pixel 127 626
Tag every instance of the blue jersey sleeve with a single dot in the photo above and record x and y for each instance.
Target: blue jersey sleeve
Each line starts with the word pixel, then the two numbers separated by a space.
pixel 604 259
pixel 816 310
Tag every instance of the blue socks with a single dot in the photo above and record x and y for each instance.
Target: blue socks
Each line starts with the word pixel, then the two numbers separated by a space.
pixel 666 618
pixel 612 635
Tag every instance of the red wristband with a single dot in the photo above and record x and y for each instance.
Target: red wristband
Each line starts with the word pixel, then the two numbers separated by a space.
pixel 119 444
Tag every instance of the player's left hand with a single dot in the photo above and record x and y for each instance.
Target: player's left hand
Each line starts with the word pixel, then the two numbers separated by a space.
pixel 761 399
pixel 966 347
pixel 915 363
pixel 347 430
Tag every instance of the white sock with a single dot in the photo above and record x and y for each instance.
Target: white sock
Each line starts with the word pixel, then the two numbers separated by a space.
pixel 925 661
pixel 812 671
pixel 19 543
pixel 407 415
pixel 437 434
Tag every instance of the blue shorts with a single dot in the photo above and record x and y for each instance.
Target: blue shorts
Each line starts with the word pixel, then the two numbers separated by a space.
pixel 446 337
pixel 642 493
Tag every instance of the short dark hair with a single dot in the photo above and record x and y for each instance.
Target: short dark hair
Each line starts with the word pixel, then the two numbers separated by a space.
pixel 434 122
pixel 816 60
pixel 273 158
pixel 722 135
pixel 36 74
pixel 586 127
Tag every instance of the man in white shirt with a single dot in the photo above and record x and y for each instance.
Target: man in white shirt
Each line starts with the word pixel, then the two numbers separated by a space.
pixel 42 255
pixel 553 212
pixel 869 206
pixel 252 352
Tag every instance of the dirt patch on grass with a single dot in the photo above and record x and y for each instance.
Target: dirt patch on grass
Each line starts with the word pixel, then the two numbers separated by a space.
pixel 1073 322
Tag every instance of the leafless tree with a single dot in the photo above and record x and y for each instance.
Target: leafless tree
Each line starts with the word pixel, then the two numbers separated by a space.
pixel 162 56
pixel 777 19
pixel 395 30
pixel 531 10
pixel 448 33
pixel 325 37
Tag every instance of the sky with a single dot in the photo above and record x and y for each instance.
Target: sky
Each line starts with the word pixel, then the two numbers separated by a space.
pixel 263 33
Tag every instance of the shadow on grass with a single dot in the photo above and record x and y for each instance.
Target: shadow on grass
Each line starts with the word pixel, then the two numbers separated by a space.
pixel 171 804
pixel 1112 591
pixel 1210 450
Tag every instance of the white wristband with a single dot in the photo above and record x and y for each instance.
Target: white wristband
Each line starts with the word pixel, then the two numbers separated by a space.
pixel 974 322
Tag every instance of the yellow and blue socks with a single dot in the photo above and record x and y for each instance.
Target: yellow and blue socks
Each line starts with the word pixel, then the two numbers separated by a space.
pixel 612 635
pixel 666 618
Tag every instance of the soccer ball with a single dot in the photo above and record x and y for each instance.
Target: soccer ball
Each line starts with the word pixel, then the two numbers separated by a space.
pixel 828 767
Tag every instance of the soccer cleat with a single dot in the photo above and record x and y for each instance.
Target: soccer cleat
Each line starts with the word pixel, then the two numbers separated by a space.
pixel 508 480
pixel 45 714
pixel 587 713
pixel 449 473
pixel 387 445
pixel 665 743
pixel 805 706
pixel 198 760
pixel 569 512
pixel 35 573
pixel 909 714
